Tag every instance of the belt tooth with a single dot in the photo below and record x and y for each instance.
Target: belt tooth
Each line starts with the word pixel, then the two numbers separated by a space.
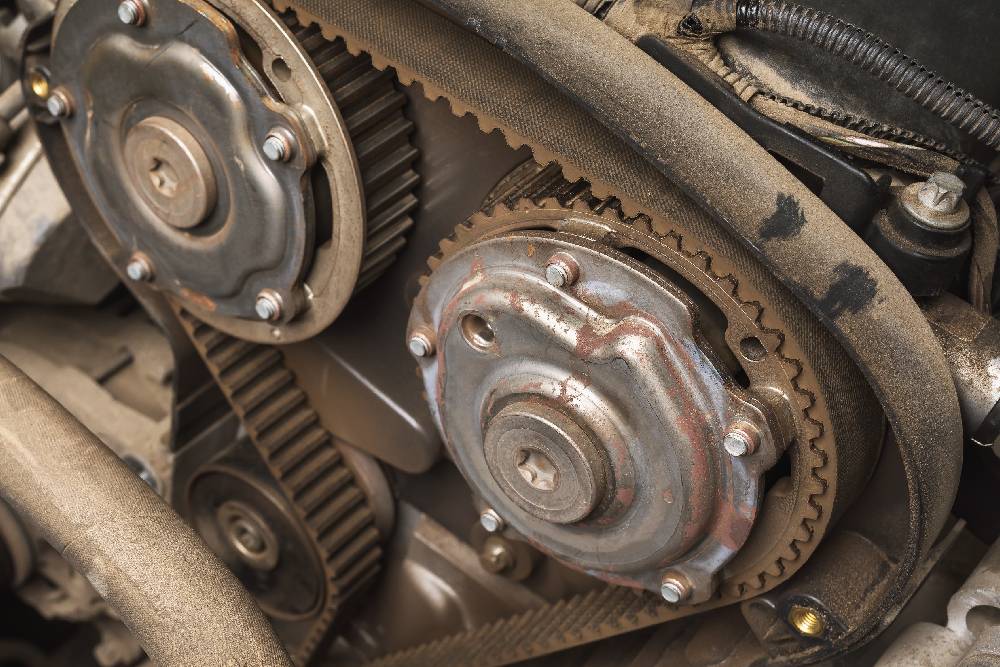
pixel 318 478
pixel 297 452
pixel 252 395
pixel 272 412
pixel 281 435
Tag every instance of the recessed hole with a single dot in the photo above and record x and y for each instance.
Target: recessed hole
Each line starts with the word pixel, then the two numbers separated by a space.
pixel 477 332
pixel 282 72
pixel 752 349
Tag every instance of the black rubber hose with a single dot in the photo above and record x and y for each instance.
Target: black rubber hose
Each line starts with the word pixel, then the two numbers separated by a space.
pixel 865 50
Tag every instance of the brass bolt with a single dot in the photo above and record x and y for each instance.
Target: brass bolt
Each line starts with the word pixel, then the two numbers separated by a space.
pixel 807 622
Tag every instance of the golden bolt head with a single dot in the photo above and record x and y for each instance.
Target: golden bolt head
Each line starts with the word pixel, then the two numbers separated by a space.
pixel 807 622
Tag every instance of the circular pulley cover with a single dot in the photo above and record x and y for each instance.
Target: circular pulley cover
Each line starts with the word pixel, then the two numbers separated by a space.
pixel 219 142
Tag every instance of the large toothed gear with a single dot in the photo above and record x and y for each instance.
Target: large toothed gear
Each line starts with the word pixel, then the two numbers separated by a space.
pixel 255 172
pixel 572 364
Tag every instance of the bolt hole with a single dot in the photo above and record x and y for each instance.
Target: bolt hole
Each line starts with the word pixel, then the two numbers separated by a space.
pixel 752 349
pixel 477 332
pixel 282 72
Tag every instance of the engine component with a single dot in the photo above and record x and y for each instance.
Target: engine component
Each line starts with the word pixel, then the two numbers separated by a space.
pixel 322 533
pixel 868 52
pixel 617 438
pixel 263 201
pixel 179 599
pixel 924 235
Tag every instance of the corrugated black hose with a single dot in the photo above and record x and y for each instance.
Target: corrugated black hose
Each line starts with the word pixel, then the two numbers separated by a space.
pixel 865 50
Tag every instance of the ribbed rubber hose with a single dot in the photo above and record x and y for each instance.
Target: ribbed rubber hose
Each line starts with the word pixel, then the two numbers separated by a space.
pixel 181 603
pixel 863 49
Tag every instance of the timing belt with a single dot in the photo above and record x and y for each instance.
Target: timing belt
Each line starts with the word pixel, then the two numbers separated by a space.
pixel 447 61
pixel 304 462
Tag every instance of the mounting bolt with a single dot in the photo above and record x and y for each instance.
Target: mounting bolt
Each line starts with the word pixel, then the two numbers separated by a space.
pixel 561 270
pixel 674 588
pixel 38 81
pixel 279 145
pixel 942 192
pixel 741 440
pixel 421 345
pixel 59 103
pixel 491 521
pixel 139 268
pixel 268 305
pixel 497 556
pixel 132 12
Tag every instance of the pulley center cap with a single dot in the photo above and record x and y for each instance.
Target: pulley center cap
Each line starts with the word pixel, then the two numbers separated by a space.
pixel 545 462
pixel 170 171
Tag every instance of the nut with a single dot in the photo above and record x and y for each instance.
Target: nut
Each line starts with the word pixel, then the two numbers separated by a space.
pixel 562 270
pixel 741 440
pixel 139 268
pixel 942 192
pixel 497 556
pixel 674 588
pixel 279 145
pixel 421 345
pixel 59 103
pixel 132 12
pixel 268 305
pixel 491 521
pixel 807 622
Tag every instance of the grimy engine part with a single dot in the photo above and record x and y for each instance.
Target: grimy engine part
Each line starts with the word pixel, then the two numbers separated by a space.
pixel 292 163
pixel 532 116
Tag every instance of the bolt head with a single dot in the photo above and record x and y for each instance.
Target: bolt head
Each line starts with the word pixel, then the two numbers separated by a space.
pixel 139 268
pixel 942 192
pixel 278 146
pixel 132 12
pixel 741 440
pixel 674 589
pixel 59 104
pixel 497 556
pixel 561 270
pixel 268 306
pixel 421 345
pixel 491 521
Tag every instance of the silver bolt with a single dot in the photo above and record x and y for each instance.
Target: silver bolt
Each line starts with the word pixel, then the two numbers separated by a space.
pixel 741 440
pixel 278 146
pixel 421 345
pixel 268 306
pixel 60 104
pixel 132 12
pixel 491 521
pixel 674 588
pixel 561 270
pixel 139 268
pixel 942 192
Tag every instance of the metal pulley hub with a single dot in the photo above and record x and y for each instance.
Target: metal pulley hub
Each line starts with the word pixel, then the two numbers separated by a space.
pixel 589 412
pixel 219 156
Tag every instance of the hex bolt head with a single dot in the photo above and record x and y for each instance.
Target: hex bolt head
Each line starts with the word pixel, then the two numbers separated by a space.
pixel 491 521
pixel 421 345
pixel 279 146
pixel 132 12
pixel 60 104
pixel 674 588
pixel 942 192
pixel 561 270
pixel 139 268
pixel 268 306
pixel 741 440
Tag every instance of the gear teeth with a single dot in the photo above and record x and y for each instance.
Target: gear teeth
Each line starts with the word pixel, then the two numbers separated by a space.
pixel 580 618
pixel 372 109
pixel 304 461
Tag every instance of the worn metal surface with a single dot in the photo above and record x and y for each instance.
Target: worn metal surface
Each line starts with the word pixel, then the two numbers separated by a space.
pixel 180 601
pixel 970 636
pixel 195 167
pixel 589 417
